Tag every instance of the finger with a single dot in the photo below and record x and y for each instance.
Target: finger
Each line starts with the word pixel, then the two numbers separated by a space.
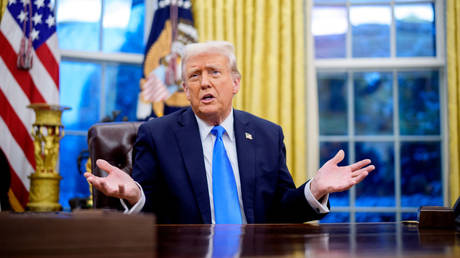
pixel 104 165
pixel 108 189
pixel 361 177
pixel 360 171
pixel 359 164
pixel 121 189
pixel 338 157
pixel 94 181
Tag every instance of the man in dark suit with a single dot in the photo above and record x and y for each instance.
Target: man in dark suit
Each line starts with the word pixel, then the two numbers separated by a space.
pixel 175 167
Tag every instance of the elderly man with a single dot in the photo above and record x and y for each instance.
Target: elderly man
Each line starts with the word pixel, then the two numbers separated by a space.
pixel 211 163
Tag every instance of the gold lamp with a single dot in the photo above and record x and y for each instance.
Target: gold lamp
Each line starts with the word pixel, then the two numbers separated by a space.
pixel 47 131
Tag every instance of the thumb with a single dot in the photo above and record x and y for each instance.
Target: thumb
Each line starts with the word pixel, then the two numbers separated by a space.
pixel 104 165
pixel 338 157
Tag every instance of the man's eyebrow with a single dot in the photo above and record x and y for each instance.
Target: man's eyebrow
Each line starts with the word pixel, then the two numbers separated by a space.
pixel 214 66
pixel 193 70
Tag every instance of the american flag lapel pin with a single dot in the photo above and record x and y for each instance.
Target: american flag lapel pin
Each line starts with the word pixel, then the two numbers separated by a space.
pixel 248 136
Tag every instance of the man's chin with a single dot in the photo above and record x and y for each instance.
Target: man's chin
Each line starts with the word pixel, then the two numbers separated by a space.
pixel 210 115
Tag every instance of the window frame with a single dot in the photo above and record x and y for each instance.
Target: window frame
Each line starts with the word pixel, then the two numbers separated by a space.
pixel 107 58
pixel 394 65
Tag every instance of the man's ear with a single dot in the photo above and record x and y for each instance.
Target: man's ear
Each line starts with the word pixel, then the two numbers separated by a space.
pixel 236 84
pixel 186 90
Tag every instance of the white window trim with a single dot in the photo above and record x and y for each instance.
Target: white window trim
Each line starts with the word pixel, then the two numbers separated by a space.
pixel 392 64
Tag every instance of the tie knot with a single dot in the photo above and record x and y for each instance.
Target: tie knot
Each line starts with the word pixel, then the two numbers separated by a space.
pixel 218 131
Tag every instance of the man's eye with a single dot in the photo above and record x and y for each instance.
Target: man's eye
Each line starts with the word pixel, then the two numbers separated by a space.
pixel 215 72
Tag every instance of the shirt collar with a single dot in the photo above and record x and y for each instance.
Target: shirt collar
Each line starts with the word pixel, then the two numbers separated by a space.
pixel 227 124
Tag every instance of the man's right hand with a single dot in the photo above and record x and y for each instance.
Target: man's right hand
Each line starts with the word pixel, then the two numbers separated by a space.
pixel 116 184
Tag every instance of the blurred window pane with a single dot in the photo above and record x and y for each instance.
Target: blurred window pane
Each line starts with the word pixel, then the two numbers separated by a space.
pixel 75 30
pixel 329 1
pixel 421 174
pixel 329 28
pixel 378 189
pixel 375 217
pixel 332 95
pixel 80 90
pixel 373 103
pixel 122 90
pixel 369 1
pixel 336 217
pixel 327 151
pixel 415 30
pixel 123 26
pixel 73 184
pixel 419 104
pixel 409 216
pixel 370 28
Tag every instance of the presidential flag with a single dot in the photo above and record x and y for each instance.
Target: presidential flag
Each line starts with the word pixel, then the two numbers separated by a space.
pixel 172 28
pixel 29 72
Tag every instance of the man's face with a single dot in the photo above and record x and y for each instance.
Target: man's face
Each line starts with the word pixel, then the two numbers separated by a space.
pixel 210 86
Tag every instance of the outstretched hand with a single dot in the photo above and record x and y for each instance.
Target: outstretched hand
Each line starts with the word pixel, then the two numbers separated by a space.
pixel 333 178
pixel 116 184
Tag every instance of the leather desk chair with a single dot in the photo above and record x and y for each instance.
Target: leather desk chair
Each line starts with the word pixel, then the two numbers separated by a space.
pixel 113 142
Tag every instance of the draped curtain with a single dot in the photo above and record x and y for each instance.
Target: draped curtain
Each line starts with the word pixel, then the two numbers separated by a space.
pixel 453 84
pixel 3 4
pixel 270 38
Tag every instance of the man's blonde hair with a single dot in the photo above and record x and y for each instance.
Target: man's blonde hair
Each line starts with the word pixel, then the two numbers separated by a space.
pixel 219 47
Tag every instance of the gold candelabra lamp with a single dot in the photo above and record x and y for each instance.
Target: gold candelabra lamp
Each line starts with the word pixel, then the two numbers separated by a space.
pixel 47 131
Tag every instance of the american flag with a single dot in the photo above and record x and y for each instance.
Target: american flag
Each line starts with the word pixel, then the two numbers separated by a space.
pixel 28 29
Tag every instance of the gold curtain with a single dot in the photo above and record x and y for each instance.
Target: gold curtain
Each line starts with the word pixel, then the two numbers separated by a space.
pixel 3 4
pixel 269 38
pixel 453 84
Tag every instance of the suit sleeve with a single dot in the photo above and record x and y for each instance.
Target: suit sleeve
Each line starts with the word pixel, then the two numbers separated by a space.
pixel 292 206
pixel 145 165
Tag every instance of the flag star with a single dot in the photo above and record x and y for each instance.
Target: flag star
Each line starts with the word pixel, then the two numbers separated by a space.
pixel 34 34
pixel 50 21
pixel 37 19
pixel 187 4
pixel 25 2
pixel 39 3
pixel 10 2
pixel 22 16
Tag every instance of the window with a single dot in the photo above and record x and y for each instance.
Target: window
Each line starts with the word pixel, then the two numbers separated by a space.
pixel 102 53
pixel 380 72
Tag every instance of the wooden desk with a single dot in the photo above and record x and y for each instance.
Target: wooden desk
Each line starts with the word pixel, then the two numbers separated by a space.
pixel 108 234
pixel 325 240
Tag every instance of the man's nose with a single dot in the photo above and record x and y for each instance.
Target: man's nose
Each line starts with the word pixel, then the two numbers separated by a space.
pixel 205 80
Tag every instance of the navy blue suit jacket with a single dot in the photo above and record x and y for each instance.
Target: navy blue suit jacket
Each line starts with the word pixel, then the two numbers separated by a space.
pixel 169 164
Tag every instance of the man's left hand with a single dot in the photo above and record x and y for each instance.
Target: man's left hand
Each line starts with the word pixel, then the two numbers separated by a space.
pixel 333 178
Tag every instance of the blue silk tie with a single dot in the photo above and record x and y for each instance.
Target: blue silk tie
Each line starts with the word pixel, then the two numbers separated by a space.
pixel 226 205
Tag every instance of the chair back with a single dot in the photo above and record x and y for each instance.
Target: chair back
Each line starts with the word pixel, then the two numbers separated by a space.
pixel 114 143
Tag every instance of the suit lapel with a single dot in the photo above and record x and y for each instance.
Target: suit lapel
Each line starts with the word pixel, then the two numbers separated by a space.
pixel 245 146
pixel 188 137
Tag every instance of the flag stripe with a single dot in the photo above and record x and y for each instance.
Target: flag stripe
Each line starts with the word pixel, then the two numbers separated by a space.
pixel 53 46
pixel 22 77
pixel 20 192
pixel 20 133
pixel 15 155
pixel 50 64
pixel 11 89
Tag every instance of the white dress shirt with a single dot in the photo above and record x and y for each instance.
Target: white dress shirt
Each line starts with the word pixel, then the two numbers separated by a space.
pixel 207 141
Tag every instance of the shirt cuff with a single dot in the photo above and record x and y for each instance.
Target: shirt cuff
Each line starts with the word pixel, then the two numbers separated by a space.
pixel 319 207
pixel 138 206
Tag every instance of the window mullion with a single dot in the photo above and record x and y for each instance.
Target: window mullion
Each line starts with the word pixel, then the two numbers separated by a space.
pixel 397 146
pixel 101 25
